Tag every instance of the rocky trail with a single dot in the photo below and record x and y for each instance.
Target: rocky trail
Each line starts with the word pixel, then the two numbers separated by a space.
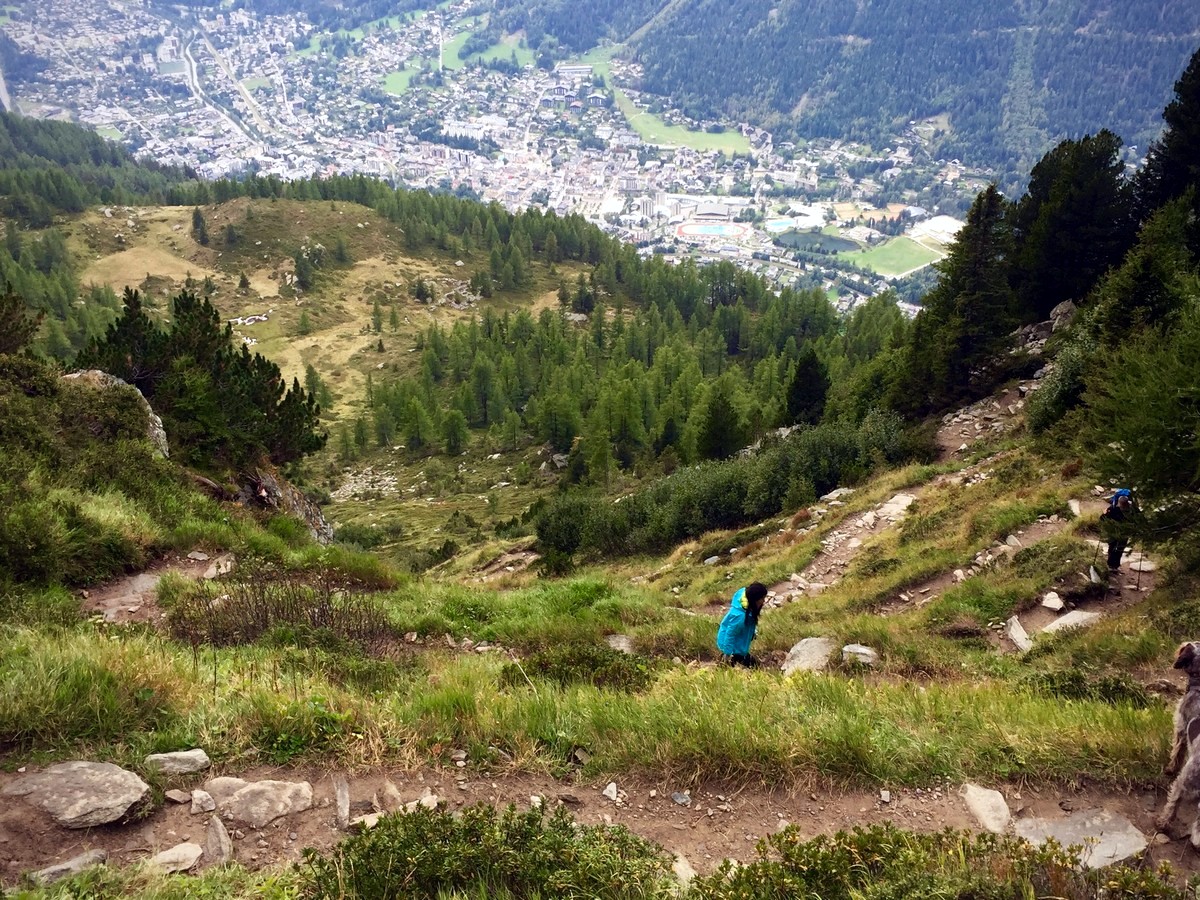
pixel 265 817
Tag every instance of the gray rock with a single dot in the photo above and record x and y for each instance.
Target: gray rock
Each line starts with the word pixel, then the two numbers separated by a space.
pixel 712 560
pixel 341 793
pixel 809 655
pixel 1013 541
pixel 838 493
pixel 198 556
pixel 683 798
pixel 267 488
pixel 224 787
pixel 222 566
pixel 202 802
pixel 82 794
pixel 897 507
pixel 987 806
pixel 427 800
pixel 181 762
pixel 1076 618
pixel 218 847
pixel 622 643
pixel 179 858
pixel 72 866
pixel 1143 565
pixel 262 802
pixel 102 381
pixel 177 796
pixel 1018 635
pixel 610 791
pixel 858 653
pixel 1053 601
pixel 1106 837
pixel 390 797
pixel 1076 509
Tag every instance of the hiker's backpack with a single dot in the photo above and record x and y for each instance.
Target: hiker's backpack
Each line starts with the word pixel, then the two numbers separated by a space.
pixel 1123 492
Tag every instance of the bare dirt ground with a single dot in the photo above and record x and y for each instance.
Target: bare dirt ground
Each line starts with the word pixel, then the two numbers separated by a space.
pixel 719 822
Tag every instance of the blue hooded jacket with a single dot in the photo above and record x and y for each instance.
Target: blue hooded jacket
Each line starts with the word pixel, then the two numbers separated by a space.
pixel 737 628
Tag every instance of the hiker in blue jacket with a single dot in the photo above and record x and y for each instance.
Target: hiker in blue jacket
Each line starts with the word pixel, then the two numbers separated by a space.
pixel 1113 523
pixel 738 627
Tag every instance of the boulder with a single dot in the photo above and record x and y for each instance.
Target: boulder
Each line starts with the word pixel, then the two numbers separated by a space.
pixel 1077 618
pixel 218 848
pixel 224 787
pixel 102 381
pixel 1062 315
pixel 261 802
pixel 1018 635
pixel 987 806
pixel 82 794
pixel 179 858
pixel 1052 601
pixel 268 488
pixel 808 655
pixel 1076 509
pixel 72 866
pixel 858 653
pixel 1106 837
pixel 181 762
pixel 684 873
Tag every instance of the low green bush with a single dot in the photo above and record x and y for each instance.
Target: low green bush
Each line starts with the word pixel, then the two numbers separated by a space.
pixel 601 667
pixel 884 863
pixel 1078 684
pixel 429 855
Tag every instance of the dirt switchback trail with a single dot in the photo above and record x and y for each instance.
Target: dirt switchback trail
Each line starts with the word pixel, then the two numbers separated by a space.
pixel 704 825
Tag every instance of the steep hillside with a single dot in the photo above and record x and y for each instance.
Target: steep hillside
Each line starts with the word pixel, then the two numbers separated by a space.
pixel 1012 78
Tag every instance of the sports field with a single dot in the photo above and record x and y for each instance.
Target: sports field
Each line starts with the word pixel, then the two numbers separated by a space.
pixel 654 130
pixel 711 229
pixel 898 256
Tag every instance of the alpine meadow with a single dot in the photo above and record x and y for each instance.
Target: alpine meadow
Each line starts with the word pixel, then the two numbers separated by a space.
pixel 542 507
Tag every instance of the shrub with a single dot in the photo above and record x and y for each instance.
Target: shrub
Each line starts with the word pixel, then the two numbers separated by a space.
pixel 601 667
pixel 249 611
pixel 298 728
pixel 884 863
pixel 429 854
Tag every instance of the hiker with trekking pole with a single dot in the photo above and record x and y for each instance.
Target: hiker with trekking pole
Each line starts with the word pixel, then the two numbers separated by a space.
pixel 1115 527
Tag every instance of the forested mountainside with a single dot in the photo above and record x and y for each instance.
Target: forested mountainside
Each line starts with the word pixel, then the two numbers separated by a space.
pixel 1012 77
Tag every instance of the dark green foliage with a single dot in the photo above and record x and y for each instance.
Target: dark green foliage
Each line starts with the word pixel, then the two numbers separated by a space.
pixel 1173 162
pixel 720 495
pixel 219 406
pixel 884 863
pixel 807 390
pixel 1077 208
pixel 1144 414
pixel 51 167
pixel 967 317
pixel 1012 77
pixel 429 854
pixel 598 666
pixel 17 327
pixel 366 537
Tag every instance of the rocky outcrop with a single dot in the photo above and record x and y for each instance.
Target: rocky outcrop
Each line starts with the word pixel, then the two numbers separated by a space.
pixel 1105 837
pixel 267 488
pixel 102 381
pixel 83 794
pixel 73 866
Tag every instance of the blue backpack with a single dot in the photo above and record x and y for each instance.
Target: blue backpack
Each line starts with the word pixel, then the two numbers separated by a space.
pixel 1123 492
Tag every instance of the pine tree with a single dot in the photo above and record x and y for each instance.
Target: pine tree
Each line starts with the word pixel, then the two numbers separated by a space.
pixel 807 389
pixel 376 317
pixel 1173 161
pixel 454 431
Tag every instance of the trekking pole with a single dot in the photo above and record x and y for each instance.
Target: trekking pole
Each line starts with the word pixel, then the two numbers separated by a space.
pixel 1140 566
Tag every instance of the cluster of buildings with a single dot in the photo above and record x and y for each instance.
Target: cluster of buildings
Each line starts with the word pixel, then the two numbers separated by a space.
pixel 230 91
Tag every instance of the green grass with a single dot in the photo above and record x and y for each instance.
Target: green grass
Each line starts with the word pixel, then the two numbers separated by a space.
pixel 655 131
pixel 897 256
pixel 258 83
pixel 108 131
pixel 398 82
pixel 504 50
pixel 450 57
